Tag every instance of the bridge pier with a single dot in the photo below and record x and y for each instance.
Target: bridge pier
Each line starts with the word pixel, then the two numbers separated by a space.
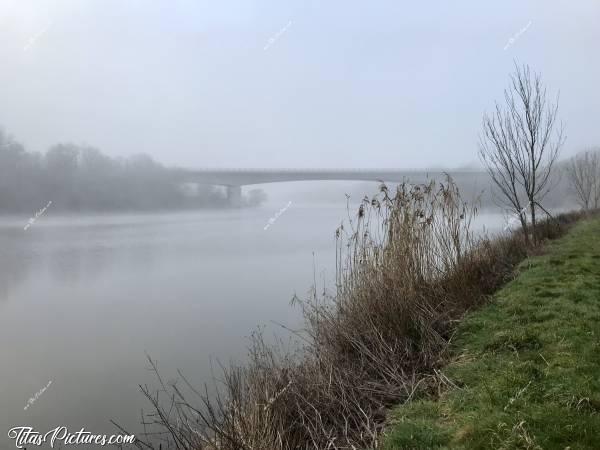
pixel 234 195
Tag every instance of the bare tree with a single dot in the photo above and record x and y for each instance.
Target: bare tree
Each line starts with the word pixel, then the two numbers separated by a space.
pixel 518 147
pixel 583 172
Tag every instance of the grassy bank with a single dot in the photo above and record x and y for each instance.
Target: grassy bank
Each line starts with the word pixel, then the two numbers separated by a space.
pixel 525 371
pixel 409 267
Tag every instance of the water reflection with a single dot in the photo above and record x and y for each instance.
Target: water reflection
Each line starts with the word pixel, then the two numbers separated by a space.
pixel 84 298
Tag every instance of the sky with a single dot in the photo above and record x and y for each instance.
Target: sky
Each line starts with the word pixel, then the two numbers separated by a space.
pixel 288 83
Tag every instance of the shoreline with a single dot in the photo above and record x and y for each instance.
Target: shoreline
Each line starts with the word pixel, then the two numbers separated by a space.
pixel 524 368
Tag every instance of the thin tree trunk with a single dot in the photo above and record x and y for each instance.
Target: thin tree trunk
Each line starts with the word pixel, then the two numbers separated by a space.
pixel 533 221
pixel 523 218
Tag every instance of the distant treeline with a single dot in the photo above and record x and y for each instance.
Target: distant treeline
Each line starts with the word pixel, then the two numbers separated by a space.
pixel 479 186
pixel 81 178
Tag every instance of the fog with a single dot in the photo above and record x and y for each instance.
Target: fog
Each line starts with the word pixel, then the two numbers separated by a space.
pixel 106 257
pixel 340 83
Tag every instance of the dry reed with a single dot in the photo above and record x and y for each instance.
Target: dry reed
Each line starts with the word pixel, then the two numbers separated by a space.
pixel 408 268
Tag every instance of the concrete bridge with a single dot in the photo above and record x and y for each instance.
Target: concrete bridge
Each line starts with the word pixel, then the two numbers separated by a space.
pixel 234 179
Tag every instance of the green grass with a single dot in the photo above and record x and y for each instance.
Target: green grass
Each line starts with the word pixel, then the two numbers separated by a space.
pixel 526 367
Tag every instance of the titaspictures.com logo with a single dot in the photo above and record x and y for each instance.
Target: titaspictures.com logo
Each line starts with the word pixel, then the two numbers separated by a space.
pixel 60 435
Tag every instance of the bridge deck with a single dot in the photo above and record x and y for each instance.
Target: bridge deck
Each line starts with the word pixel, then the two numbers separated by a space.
pixel 242 177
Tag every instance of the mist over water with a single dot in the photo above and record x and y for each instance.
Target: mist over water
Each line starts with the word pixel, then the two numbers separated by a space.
pixel 84 298
pixel 130 129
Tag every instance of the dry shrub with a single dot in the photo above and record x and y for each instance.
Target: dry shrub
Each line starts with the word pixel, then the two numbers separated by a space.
pixel 408 268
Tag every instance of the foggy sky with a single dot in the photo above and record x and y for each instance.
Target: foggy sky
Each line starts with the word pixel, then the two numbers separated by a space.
pixel 294 83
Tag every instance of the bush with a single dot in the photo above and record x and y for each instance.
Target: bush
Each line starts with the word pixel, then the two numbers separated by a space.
pixel 408 268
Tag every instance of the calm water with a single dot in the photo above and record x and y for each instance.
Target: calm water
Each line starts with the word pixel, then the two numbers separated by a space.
pixel 82 299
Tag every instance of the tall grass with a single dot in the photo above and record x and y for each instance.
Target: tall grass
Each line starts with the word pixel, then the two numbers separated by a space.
pixel 408 267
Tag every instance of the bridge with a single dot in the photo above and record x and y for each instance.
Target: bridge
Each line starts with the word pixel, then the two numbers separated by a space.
pixel 234 179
